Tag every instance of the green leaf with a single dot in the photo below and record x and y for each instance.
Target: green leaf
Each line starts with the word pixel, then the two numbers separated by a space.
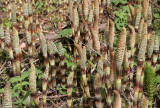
pixel 91 64
pixel 65 33
pixel 158 79
pixel 157 67
pixel 62 92
pixel 63 87
pixel 25 75
pixel 2 90
pixel 25 83
pixel 15 79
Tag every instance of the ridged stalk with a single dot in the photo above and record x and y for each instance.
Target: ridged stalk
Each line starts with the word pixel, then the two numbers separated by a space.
pixel 62 65
pixel 2 36
pixel 43 45
pixel 52 49
pixel 69 87
pixel 97 87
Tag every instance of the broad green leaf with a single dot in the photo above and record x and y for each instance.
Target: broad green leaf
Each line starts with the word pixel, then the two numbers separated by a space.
pixel 15 79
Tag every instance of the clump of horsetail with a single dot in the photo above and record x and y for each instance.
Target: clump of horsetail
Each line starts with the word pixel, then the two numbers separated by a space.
pixel 150 47
pixel 43 45
pixel 2 36
pixel 33 85
pixel 119 57
pixel 7 96
pixel 141 59
pixel 8 43
pixel 52 49
pixel 69 87
pixel 16 49
pixel 155 52
pixel 132 45
pixel 62 65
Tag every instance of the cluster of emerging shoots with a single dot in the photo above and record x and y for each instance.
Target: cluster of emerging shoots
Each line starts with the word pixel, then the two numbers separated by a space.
pixel 102 74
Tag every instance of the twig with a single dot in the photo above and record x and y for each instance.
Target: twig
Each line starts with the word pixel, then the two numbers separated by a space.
pixel 155 5
pixel 53 97
pixel 3 66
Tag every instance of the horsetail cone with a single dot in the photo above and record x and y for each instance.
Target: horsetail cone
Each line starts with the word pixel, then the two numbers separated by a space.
pixel 7 96
pixel 111 33
pixel 32 79
pixel 2 36
pixel 132 11
pixel 43 45
pixel 138 17
pixel 151 45
pixel 75 17
pixel 149 17
pixel 140 31
pixel 33 85
pixel 121 48
pixel 120 56
pixel 142 48
pixel 145 9
pixel 14 16
pixel 156 49
pixel 96 7
pixel 95 33
pixel 132 39
pixel 7 36
pixel 85 8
